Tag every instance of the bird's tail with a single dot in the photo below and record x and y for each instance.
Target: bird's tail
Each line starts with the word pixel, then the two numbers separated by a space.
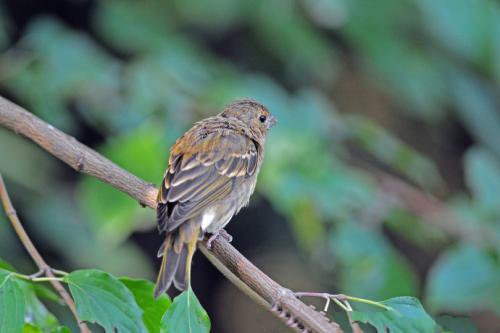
pixel 177 252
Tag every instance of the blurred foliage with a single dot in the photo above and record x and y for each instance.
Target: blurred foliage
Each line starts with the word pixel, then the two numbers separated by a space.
pixel 370 266
pixel 475 288
pixel 407 87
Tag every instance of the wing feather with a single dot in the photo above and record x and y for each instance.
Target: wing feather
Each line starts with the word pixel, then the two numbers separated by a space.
pixel 201 172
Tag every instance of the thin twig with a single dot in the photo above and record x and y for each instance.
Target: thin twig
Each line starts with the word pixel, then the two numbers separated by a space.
pixel 35 255
pixel 342 298
pixel 85 160
pixel 326 296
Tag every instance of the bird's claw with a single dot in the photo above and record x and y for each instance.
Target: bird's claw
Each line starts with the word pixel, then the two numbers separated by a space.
pixel 222 233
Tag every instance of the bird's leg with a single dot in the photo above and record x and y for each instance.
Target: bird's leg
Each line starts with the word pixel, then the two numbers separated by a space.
pixel 226 235
pixel 221 232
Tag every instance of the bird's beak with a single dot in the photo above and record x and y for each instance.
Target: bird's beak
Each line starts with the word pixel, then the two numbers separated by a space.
pixel 271 122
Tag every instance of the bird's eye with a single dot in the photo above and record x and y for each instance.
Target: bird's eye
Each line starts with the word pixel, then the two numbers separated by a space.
pixel 262 118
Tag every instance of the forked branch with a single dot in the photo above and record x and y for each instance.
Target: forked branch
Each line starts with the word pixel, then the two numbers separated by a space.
pixel 44 268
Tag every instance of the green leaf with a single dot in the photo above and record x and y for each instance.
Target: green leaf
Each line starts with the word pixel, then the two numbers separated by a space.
pixel 185 315
pixel 405 315
pixel 464 279
pixel 12 304
pixel 101 298
pixel 36 313
pixel 154 309
pixel 61 329
pixel 28 328
pixel 456 324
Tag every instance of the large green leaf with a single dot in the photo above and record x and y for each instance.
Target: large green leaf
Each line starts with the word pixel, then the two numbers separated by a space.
pixel 36 313
pixel 185 315
pixel 101 298
pixel 12 303
pixel 464 279
pixel 404 315
pixel 154 309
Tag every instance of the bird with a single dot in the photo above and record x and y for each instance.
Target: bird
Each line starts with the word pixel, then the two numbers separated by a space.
pixel 211 174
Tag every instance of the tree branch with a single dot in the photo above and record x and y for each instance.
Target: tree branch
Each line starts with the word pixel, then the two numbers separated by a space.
pixel 85 160
pixel 35 255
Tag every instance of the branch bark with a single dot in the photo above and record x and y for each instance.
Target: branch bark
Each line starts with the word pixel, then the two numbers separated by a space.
pixel 254 282
pixel 35 255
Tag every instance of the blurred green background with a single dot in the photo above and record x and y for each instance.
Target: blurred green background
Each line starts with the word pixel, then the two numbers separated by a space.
pixel 363 90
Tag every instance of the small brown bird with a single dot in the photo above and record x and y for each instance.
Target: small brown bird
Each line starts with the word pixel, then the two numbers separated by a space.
pixel 211 174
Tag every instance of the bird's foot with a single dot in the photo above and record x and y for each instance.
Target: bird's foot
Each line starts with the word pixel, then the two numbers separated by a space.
pixel 222 233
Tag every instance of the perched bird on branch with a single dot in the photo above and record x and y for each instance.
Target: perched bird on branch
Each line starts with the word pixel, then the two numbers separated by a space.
pixel 211 174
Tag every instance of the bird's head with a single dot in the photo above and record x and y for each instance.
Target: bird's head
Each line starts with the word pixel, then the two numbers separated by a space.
pixel 252 113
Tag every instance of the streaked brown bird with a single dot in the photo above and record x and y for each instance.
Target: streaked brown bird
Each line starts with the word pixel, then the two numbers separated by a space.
pixel 211 174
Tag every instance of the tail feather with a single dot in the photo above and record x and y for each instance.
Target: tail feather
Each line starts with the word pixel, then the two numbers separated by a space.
pixel 177 252
pixel 180 274
pixel 169 265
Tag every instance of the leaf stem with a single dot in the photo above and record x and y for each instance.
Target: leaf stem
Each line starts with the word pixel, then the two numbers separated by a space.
pixel 341 297
pixel 37 279
pixel 365 301
pixel 47 279
pixel 340 304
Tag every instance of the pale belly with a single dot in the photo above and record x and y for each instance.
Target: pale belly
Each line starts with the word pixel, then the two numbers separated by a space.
pixel 220 213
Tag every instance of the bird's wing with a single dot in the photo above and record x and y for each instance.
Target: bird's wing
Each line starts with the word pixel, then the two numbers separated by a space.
pixel 202 170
